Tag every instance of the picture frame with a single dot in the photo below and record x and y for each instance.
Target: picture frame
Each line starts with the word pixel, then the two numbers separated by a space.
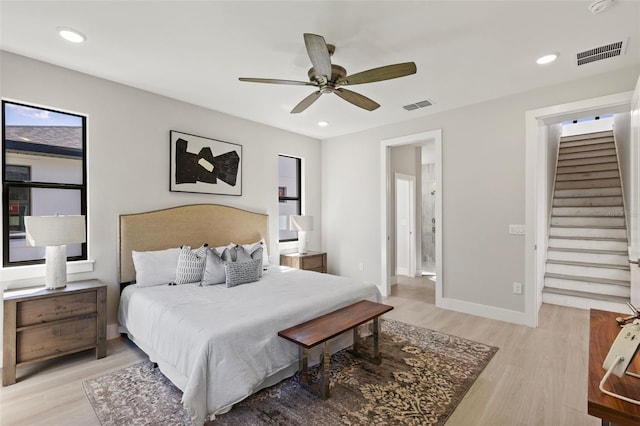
pixel 204 165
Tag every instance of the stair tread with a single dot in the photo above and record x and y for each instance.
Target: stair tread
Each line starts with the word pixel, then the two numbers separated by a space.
pixel 588 226
pixel 589 264
pixel 591 251
pixel 586 295
pixel 556 237
pixel 587 279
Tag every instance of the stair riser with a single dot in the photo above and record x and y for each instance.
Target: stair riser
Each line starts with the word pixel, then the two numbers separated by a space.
pixel 571 256
pixel 590 287
pixel 598 137
pixel 583 161
pixel 588 175
pixel 583 303
pixel 604 222
pixel 587 154
pixel 555 231
pixel 588 244
pixel 606 211
pixel 588 192
pixel 589 271
pixel 587 201
pixel 583 184
pixel 586 148
pixel 588 168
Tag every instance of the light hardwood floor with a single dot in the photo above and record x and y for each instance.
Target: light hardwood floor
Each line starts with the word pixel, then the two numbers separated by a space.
pixel 537 377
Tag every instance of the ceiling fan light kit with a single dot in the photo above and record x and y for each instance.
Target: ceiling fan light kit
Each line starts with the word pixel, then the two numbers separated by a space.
pixel 329 78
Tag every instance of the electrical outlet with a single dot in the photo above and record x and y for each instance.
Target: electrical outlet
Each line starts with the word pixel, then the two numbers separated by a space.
pixel 517 288
pixel 516 229
pixel 360 266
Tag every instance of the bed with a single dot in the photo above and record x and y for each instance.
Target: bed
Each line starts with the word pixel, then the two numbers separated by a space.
pixel 219 344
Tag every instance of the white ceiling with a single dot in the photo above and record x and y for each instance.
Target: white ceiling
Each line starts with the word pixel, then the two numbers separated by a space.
pixel 465 52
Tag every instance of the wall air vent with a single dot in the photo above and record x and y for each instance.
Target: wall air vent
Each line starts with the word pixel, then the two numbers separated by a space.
pixel 602 52
pixel 417 105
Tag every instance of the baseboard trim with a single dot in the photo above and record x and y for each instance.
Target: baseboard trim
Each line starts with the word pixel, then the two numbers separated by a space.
pixel 491 312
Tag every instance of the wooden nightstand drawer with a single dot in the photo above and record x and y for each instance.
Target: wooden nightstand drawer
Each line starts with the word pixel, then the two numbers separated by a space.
pixel 55 308
pixel 312 261
pixel 55 339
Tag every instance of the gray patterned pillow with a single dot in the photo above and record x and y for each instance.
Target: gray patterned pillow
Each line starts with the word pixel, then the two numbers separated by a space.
pixel 243 255
pixel 242 272
pixel 213 269
pixel 191 265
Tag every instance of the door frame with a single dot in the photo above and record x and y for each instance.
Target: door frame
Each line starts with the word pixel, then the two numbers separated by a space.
pixel 386 204
pixel 536 172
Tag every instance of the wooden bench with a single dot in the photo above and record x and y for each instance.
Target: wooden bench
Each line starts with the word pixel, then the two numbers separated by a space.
pixel 325 327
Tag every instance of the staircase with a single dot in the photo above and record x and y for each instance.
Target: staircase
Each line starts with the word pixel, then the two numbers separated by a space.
pixel 587 261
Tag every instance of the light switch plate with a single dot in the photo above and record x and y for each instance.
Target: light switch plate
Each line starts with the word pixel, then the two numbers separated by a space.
pixel 516 229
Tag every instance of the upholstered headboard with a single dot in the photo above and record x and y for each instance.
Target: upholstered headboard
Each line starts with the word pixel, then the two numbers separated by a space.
pixel 192 225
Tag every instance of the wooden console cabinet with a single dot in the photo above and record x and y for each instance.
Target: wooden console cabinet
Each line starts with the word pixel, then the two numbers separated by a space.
pixel 311 261
pixel 42 324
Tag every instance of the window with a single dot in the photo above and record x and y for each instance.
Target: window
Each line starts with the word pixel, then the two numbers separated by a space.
pixel 43 173
pixel 289 194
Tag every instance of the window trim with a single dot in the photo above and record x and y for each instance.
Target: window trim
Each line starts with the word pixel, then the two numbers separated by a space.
pixel 299 197
pixel 46 185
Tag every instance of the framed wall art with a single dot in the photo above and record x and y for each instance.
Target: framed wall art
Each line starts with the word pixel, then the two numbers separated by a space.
pixel 204 165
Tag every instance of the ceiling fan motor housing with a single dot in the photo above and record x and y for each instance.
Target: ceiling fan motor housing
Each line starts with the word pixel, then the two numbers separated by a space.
pixel 337 72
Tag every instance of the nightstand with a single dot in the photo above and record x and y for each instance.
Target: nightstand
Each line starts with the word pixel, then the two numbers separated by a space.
pixel 311 261
pixel 42 324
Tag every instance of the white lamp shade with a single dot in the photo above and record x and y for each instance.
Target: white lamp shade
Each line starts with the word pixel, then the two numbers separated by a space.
pixel 301 223
pixel 55 230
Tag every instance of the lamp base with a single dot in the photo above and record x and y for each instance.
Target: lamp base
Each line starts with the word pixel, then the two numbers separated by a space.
pixel 302 242
pixel 56 267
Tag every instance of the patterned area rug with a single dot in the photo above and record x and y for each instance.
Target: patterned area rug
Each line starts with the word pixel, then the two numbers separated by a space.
pixel 423 376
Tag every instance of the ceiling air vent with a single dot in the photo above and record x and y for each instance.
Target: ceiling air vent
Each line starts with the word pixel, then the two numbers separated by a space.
pixel 417 105
pixel 600 53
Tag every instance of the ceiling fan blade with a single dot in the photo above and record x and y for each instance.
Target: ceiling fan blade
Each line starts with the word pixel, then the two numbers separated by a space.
pixel 319 54
pixel 379 74
pixel 306 102
pixel 276 81
pixel 357 99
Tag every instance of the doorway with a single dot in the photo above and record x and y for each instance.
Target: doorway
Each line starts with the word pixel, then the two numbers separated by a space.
pixel 388 225
pixel 538 180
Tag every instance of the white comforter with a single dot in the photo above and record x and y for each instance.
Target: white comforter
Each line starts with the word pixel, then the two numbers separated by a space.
pixel 223 341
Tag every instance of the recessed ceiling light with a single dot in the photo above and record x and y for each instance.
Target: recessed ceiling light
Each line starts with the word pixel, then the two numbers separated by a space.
pixel 547 59
pixel 71 35
pixel 323 123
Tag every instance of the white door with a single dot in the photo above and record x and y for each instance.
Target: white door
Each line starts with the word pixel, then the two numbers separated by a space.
pixel 405 225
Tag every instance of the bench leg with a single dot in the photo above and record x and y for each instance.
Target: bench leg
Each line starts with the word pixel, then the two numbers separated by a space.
pixel 374 355
pixel 376 341
pixel 320 389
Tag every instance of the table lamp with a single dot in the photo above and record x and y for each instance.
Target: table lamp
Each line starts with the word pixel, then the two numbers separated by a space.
pixel 302 224
pixel 54 233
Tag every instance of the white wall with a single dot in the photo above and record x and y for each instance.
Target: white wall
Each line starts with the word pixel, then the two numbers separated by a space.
pixel 554 131
pixel 622 136
pixel 128 155
pixel 483 191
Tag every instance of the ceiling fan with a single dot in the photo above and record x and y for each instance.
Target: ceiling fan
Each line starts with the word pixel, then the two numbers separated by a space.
pixel 329 78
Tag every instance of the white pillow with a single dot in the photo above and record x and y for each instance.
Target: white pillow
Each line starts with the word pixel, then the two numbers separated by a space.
pixel 155 267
